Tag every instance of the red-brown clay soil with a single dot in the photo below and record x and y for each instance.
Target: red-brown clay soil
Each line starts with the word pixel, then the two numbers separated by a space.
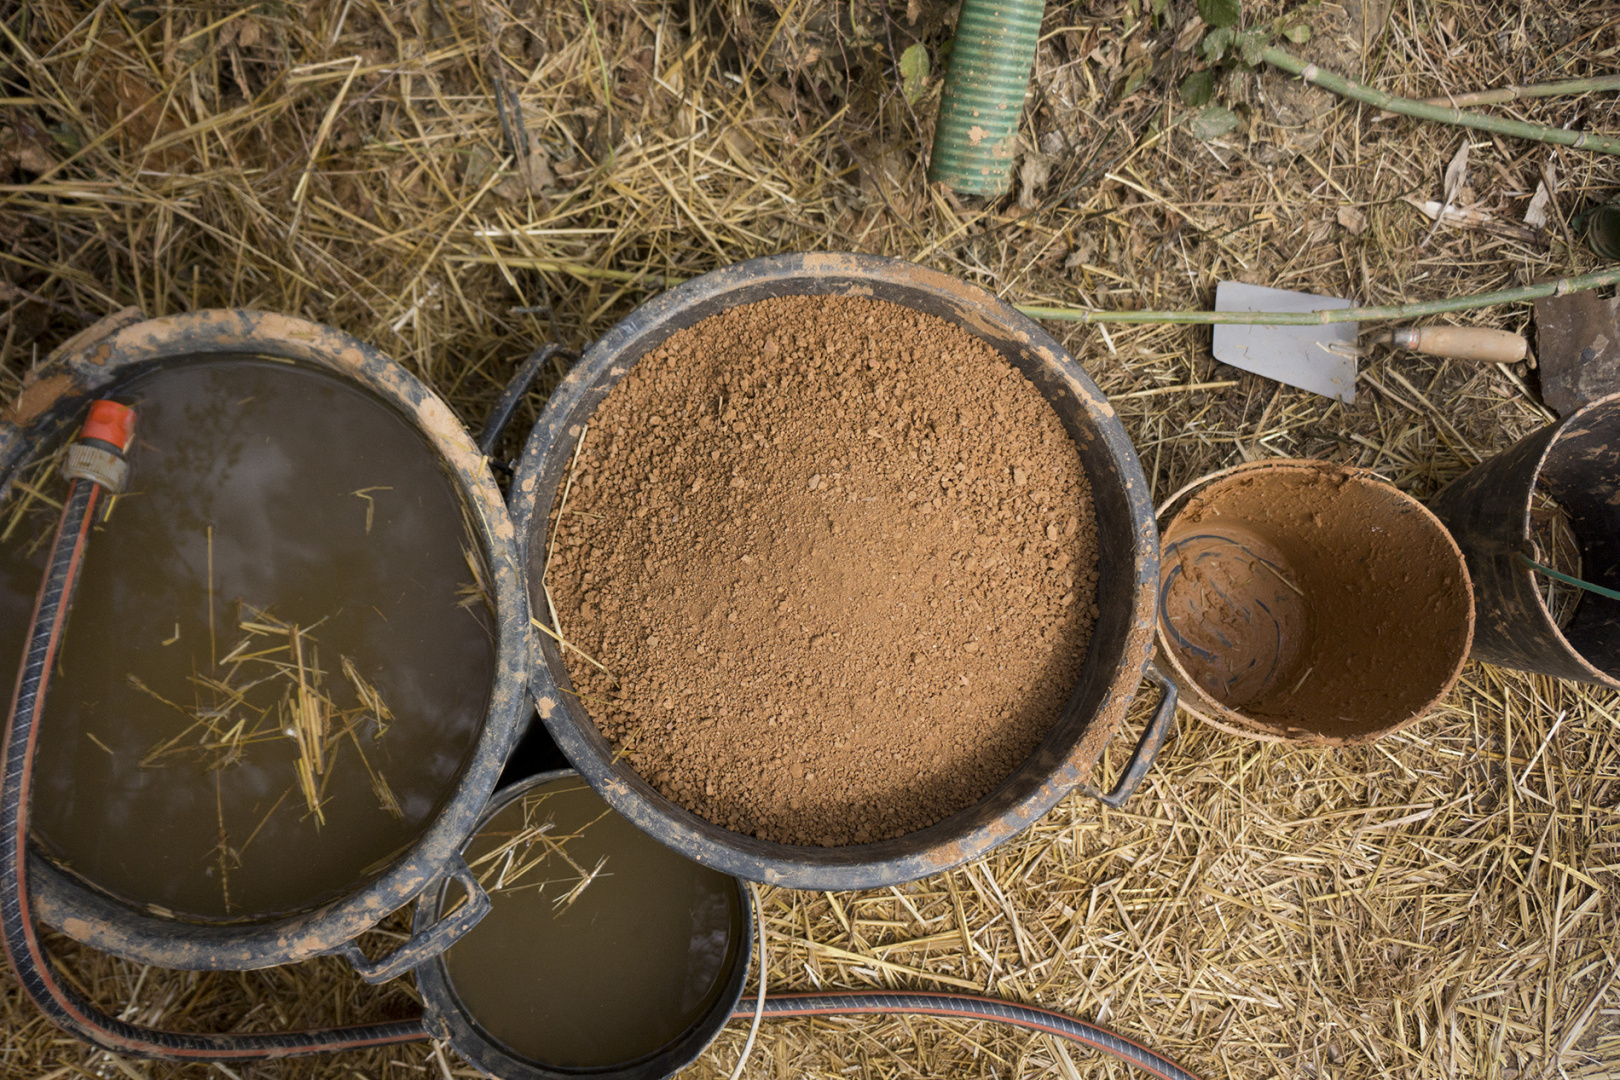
pixel 840 558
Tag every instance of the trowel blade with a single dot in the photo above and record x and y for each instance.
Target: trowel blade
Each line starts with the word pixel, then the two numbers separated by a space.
pixel 1321 359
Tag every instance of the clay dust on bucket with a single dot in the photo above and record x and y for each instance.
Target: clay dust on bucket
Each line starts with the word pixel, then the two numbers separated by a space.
pixel 1310 602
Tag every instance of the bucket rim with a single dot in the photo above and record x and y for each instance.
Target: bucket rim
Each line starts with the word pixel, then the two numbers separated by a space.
pixel 1201 705
pixel 945 844
pixel 448 1019
pixel 51 402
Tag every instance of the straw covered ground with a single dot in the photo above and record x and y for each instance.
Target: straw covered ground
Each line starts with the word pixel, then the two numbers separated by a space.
pixel 1442 904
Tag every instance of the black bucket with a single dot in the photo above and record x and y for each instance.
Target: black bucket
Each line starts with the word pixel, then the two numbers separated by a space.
pixel 448 1016
pixel 1575 463
pixel 96 365
pixel 1121 640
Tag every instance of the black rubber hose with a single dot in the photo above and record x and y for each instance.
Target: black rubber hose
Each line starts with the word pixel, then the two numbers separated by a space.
pixel 969 1007
pixel 29 961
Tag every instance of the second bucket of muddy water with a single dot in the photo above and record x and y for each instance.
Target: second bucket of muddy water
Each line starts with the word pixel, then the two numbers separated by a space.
pixel 1311 603
pixel 892 503
pixel 604 954
pixel 297 653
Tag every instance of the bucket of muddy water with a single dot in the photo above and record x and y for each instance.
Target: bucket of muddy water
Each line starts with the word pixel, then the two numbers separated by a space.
pixel 604 952
pixel 844 571
pixel 1543 512
pixel 1311 603
pixel 297 653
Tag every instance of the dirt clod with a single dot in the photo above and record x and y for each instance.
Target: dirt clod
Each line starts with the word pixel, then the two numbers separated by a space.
pixel 845 582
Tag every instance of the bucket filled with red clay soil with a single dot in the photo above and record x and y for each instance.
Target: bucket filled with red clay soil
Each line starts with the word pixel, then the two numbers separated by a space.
pixel 846 571
pixel 1311 603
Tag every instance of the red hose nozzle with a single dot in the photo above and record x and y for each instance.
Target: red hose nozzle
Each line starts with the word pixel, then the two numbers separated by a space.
pixel 98 455
pixel 111 423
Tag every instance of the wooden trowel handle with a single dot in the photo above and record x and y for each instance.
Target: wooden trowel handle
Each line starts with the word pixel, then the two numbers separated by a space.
pixel 1463 343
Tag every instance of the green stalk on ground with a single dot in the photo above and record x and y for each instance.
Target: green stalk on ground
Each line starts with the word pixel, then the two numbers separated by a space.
pixel 1578 283
pixel 1502 95
pixel 1440 114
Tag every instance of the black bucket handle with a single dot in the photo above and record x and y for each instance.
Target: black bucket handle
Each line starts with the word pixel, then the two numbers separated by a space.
pixel 430 941
pixel 512 395
pixel 1147 748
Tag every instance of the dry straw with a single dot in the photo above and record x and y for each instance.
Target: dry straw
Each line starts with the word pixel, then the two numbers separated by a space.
pixel 1442 904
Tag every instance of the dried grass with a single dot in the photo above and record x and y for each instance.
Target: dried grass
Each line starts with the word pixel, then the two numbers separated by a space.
pixel 1441 904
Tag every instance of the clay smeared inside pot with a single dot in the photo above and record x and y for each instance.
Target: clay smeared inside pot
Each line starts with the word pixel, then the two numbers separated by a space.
pixel 1312 603
pixel 1251 623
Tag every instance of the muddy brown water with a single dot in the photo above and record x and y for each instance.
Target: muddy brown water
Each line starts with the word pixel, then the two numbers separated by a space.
pixel 314 502
pixel 599 975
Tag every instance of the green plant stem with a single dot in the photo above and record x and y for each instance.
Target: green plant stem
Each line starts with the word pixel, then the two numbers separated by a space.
pixel 1579 283
pixel 1439 114
pixel 1567 580
pixel 1502 95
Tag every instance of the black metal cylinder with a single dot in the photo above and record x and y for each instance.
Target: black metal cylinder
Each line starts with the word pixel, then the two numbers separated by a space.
pixel 447 1018
pixel 1575 462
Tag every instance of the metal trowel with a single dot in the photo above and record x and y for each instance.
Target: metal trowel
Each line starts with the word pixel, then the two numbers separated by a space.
pixel 1321 359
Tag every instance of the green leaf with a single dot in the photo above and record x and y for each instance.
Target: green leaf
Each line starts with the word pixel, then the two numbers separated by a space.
pixel 1220 13
pixel 1159 6
pixel 1198 88
pixel 1212 122
pixel 1135 75
pixel 1215 43
pixel 67 138
pixel 1299 33
pixel 1251 47
pixel 914 71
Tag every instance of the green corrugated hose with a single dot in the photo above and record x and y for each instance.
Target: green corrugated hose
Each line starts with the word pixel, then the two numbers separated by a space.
pixel 976 138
